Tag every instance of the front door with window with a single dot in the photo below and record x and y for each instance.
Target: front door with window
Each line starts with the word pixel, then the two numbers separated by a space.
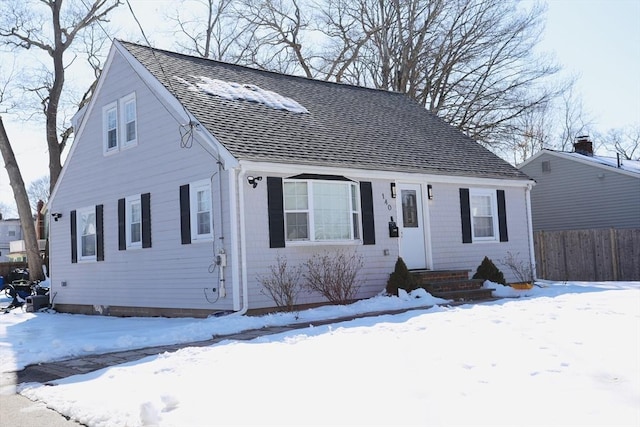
pixel 412 226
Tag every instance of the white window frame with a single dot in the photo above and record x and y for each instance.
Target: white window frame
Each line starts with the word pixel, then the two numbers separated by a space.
pixel 123 102
pixel 493 205
pixel 80 215
pixel 194 188
pixel 130 202
pixel 106 110
pixel 355 212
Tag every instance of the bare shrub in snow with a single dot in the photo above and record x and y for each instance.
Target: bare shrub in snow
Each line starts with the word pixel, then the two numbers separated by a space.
pixel 282 284
pixel 521 269
pixel 334 275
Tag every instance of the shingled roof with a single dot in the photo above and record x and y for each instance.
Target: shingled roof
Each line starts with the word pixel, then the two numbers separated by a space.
pixel 343 126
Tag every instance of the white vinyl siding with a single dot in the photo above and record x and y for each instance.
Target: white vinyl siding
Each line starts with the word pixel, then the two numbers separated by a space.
pixel 321 210
pixel 86 226
pixel 484 214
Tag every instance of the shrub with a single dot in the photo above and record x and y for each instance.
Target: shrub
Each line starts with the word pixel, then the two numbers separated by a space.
pixel 487 270
pixel 401 278
pixel 521 269
pixel 283 284
pixel 333 275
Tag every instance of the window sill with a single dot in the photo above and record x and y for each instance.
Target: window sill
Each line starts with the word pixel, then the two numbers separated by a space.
pixel 292 243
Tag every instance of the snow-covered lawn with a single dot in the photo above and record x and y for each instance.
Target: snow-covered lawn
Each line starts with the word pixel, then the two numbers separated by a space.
pixel 565 354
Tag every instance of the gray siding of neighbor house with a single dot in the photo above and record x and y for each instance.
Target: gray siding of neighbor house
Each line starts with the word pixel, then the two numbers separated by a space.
pixel 169 274
pixel 446 234
pixel 574 195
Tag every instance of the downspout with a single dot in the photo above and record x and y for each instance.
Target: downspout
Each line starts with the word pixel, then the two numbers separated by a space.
pixel 532 252
pixel 243 245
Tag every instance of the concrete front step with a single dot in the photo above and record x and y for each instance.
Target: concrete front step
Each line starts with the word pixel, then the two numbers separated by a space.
pixel 465 295
pixel 452 285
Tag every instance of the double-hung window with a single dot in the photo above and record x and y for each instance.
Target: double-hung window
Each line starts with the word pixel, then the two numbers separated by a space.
pixel 484 214
pixel 120 124
pixel 110 123
pixel 134 222
pixel 316 210
pixel 87 233
pixel 201 210
pixel 129 126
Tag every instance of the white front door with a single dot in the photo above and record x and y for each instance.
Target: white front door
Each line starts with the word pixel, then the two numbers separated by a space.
pixel 412 226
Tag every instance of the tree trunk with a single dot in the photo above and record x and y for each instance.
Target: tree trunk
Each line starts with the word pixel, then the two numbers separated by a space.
pixel 34 260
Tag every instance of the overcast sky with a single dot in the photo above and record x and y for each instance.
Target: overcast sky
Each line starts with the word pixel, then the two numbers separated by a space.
pixel 596 40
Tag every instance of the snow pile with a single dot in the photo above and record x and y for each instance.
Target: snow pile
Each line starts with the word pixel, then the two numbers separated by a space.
pixel 561 354
pixel 248 92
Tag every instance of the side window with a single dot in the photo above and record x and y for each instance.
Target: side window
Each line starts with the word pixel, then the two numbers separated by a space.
pixel 134 222
pixel 483 214
pixel 87 237
pixel 87 233
pixel 110 127
pixel 196 215
pixel 129 121
pixel 201 218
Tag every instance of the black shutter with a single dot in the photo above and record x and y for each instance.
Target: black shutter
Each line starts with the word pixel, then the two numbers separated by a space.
pixel 366 203
pixel 185 215
pixel 122 224
pixel 276 212
pixel 465 215
pixel 502 216
pixel 99 233
pixel 145 201
pixel 74 237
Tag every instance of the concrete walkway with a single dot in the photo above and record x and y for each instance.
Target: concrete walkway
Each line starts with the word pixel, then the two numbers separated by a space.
pixel 18 411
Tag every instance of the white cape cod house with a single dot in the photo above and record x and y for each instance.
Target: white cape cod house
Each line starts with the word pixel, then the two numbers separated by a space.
pixel 189 177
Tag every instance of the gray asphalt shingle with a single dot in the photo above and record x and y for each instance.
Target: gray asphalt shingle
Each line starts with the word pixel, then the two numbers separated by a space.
pixel 347 126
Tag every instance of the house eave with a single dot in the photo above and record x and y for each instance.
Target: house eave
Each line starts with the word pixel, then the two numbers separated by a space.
pixel 360 173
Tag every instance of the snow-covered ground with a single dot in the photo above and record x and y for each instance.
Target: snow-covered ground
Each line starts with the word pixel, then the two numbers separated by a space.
pixel 563 354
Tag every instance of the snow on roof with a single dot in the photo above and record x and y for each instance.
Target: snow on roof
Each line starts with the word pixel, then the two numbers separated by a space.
pixel 626 165
pixel 247 92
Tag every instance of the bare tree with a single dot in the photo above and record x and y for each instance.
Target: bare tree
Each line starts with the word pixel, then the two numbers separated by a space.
pixel 34 261
pixel 25 25
pixel 206 28
pixel 38 190
pixel 573 121
pixel 625 141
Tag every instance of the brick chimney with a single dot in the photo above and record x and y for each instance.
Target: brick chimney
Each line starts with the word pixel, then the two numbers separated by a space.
pixel 583 145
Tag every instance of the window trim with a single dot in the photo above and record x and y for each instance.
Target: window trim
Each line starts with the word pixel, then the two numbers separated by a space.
pixel 106 110
pixel 129 203
pixel 79 214
pixel 194 188
pixel 355 215
pixel 122 104
pixel 493 204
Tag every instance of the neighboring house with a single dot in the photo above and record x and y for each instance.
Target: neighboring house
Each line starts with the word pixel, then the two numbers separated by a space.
pixel 579 190
pixel 189 177
pixel 10 230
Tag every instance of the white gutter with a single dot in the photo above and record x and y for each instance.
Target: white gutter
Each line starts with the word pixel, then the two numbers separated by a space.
pixel 532 252
pixel 240 268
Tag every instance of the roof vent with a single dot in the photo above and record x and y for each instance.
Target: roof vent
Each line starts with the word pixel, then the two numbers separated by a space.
pixel 583 145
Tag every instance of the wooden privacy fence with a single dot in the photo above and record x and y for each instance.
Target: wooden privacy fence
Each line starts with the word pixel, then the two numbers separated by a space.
pixel 588 255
